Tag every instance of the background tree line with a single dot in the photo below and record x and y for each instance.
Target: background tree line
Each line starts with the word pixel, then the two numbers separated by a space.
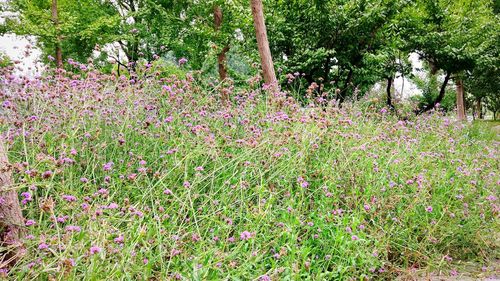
pixel 343 47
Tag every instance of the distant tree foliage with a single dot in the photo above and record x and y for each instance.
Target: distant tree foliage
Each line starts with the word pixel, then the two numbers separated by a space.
pixel 345 46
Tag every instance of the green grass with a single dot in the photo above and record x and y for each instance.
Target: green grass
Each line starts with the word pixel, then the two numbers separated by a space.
pixel 383 174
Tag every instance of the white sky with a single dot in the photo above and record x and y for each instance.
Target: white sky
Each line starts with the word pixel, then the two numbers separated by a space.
pixel 20 49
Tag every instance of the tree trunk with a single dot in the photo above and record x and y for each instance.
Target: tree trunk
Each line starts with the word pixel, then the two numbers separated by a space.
pixel 439 98
pixel 479 108
pixel 327 70
pixel 388 91
pixel 11 218
pixel 263 43
pixel 221 57
pixel 55 20
pixel 460 100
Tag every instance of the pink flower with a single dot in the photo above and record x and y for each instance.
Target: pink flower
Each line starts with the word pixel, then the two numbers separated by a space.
pixel 94 250
pixel 73 228
pixel 245 235
pixel 428 209
pixel 69 198
pixel 119 239
pixel 167 192
pixel 47 174
pixel 30 222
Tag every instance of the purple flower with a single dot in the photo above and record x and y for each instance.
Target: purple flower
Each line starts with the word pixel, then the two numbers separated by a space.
pixel 428 209
pixel 108 166
pixel 119 239
pixel 94 250
pixel 113 205
pixel 245 235
pixel 69 198
pixel 30 222
pixel 183 61
pixel 73 228
pixel 47 174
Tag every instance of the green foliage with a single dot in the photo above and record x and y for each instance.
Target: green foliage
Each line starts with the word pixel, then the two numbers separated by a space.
pixel 82 25
pixel 339 44
pixel 348 43
pixel 5 61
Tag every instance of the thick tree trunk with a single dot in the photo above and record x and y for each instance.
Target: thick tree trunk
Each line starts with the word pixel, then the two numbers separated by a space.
pixel 388 91
pixel 439 98
pixel 460 100
pixel 55 20
pixel 263 43
pixel 11 218
pixel 221 57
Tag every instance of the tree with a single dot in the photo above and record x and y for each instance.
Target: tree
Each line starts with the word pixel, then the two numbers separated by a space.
pixel 221 57
pixel 55 20
pixel 334 42
pixel 11 218
pixel 72 28
pixel 263 43
pixel 460 100
pixel 444 34
pixel 483 82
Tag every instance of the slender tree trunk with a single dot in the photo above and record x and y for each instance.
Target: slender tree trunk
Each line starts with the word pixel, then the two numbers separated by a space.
pixel 388 91
pixel 221 62
pixel 221 57
pixel 55 20
pixel 460 100
pixel 479 108
pixel 11 218
pixel 263 43
pixel 327 70
pixel 439 98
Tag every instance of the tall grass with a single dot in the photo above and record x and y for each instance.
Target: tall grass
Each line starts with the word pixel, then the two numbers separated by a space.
pixel 157 179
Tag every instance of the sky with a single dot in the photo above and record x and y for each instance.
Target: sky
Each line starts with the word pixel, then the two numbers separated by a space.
pixel 21 49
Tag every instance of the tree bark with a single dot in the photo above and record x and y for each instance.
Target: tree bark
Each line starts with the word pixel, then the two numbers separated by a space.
pixel 388 91
pixel 221 57
pixel 55 20
pixel 439 98
pixel 263 43
pixel 11 218
pixel 479 108
pixel 327 70
pixel 460 100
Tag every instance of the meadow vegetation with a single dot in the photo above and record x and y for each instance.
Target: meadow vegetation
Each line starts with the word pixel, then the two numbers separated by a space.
pixel 159 179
